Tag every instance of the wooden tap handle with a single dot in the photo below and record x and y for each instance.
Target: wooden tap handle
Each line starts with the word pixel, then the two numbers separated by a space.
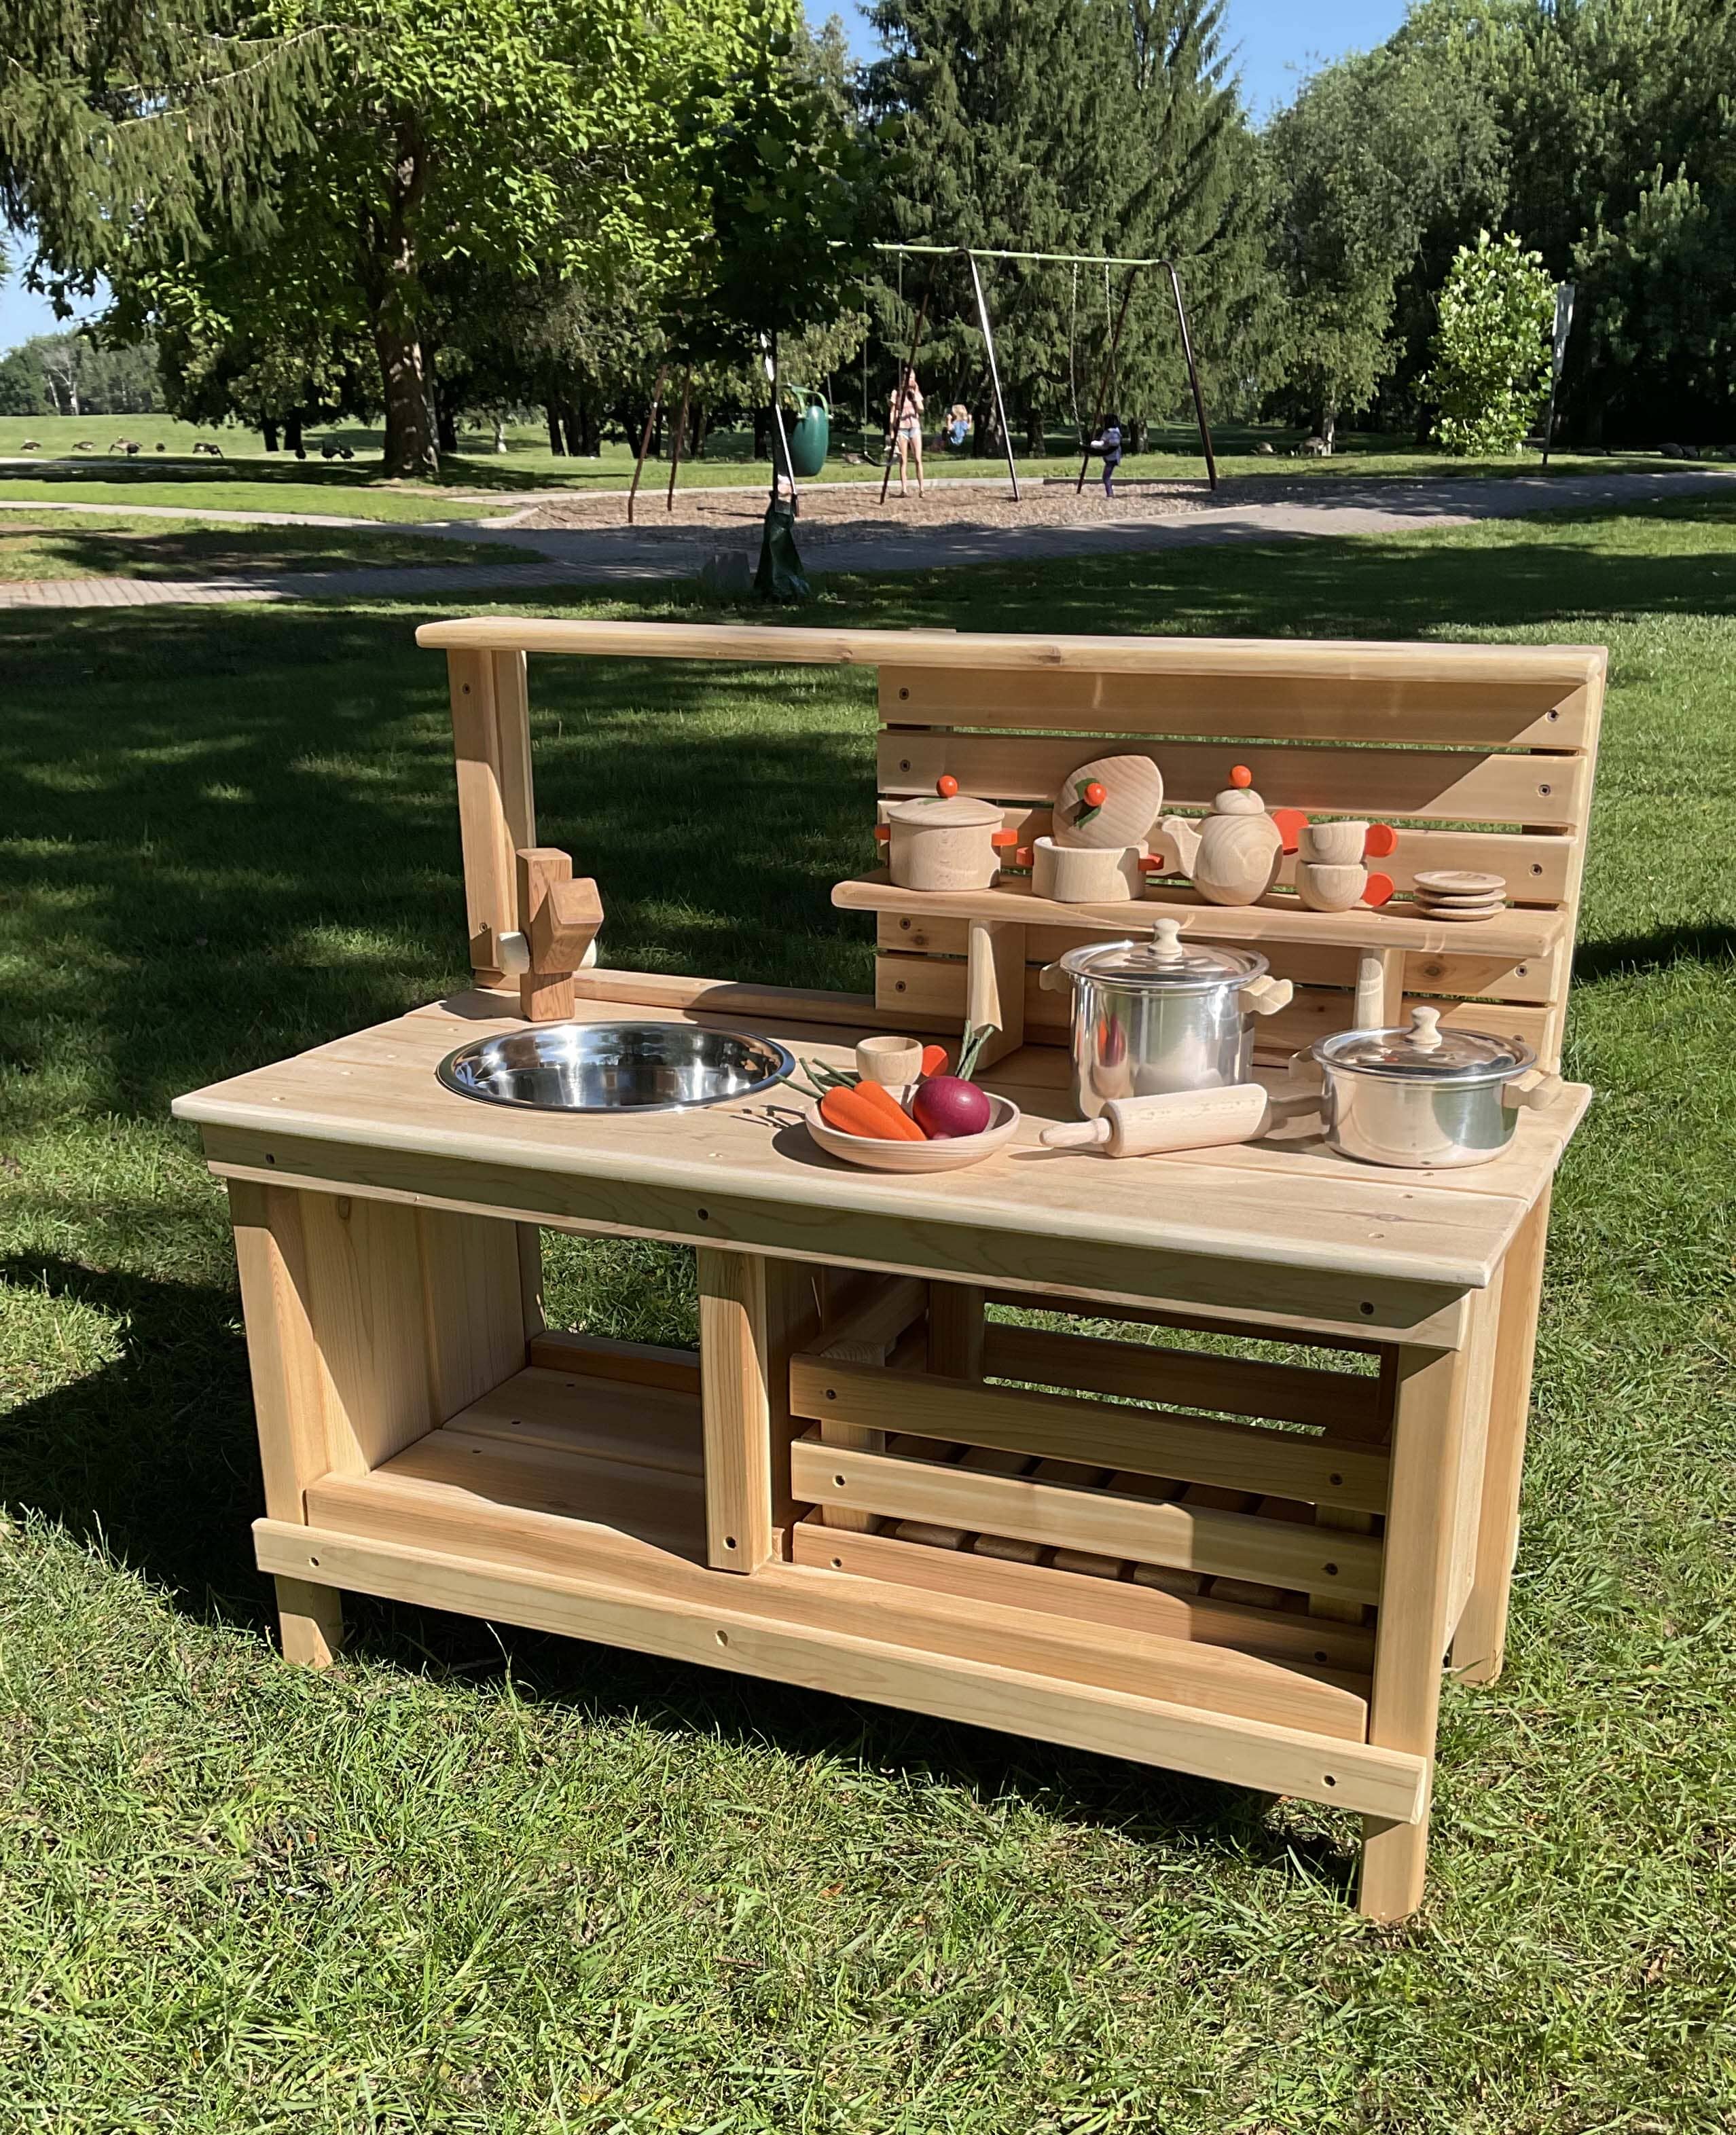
pixel 558 918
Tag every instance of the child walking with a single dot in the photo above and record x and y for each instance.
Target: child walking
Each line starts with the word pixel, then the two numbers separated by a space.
pixel 1110 445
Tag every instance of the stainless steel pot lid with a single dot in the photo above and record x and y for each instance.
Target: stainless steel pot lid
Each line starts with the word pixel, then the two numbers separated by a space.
pixel 1164 961
pixel 1422 1050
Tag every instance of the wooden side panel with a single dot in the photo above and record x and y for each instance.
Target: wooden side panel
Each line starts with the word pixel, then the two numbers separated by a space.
pixel 1418 708
pixel 474 1305
pixel 366 1307
pixel 1444 785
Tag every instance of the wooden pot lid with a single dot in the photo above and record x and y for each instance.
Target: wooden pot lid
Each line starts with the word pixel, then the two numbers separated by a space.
pixel 1131 803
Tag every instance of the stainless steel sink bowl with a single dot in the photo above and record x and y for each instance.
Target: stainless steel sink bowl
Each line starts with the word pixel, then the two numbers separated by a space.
pixel 614 1067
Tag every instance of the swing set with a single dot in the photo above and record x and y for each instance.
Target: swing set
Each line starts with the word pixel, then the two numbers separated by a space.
pixel 939 254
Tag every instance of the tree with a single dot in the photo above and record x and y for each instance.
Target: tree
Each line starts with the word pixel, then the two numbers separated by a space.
pixel 1373 151
pixel 21 390
pixel 1066 126
pixel 1492 352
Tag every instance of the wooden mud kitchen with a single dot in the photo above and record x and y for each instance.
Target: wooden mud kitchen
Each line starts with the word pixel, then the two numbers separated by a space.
pixel 1194 1553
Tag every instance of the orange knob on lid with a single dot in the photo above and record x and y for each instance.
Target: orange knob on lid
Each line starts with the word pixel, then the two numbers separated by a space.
pixel 946 785
pixel 1240 775
pixel 1095 795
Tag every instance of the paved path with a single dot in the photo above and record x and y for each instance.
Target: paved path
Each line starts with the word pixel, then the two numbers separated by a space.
pixel 621 555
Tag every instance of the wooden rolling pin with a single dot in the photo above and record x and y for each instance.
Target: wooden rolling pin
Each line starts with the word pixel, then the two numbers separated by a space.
pixel 1179 1119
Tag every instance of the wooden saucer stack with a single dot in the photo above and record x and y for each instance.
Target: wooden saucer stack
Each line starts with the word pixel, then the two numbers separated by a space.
pixel 1460 894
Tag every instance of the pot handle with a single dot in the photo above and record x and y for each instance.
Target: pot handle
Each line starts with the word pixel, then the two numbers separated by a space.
pixel 1534 1090
pixel 1266 995
pixel 1052 979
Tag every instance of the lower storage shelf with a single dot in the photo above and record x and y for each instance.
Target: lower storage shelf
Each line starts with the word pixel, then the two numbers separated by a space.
pixel 576 1503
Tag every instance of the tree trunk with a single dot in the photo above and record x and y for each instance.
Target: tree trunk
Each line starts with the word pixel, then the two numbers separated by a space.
pixel 411 450
pixel 267 431
pixel 389 272
pixel 557 444
pixel 500 432
pixel 1326 428
pixel 591 430
pixel 1139 437
pixel 446 424
pixel 293 434
pixel 696 429
pixel 762 433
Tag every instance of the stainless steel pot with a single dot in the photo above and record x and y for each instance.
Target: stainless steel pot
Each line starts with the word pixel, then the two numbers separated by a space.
pixel 1157 1016
pixel 1422 1097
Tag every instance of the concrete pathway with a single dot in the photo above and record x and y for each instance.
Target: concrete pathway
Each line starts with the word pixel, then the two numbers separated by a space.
pixel 621 555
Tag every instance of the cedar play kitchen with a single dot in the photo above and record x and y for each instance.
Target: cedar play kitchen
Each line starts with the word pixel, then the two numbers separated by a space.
pixel 870 1479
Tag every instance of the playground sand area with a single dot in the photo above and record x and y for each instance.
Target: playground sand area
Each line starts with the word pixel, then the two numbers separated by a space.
pixel 853 512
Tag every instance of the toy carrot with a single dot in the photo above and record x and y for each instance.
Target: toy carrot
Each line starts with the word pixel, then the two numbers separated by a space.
pixel 852 1114
pixel 883 1102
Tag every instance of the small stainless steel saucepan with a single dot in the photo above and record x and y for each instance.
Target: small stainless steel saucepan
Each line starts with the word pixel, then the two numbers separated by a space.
pixel 1424 1097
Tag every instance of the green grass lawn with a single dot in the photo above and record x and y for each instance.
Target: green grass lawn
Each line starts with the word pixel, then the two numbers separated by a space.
pixel 472 1883
pixel 76 544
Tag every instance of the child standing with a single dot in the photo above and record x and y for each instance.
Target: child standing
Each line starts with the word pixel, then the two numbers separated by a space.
pixel 1110 445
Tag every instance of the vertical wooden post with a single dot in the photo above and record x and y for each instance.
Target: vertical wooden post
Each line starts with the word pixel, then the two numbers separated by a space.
pixel 1379 988
pixel 1410 1637
pixel 752 1312
pixel 1479 1644
pixel 956 1328
pixel 497 815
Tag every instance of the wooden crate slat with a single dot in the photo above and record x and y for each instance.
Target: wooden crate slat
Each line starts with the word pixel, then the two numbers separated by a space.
pixel 1331 1401
pixel 1192 1449
pixel 1450 786
pixel 1346 1653
pixel 1238 1546
pixel 1538 713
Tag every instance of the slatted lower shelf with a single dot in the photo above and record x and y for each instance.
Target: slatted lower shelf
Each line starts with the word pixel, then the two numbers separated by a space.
pixel 576 1502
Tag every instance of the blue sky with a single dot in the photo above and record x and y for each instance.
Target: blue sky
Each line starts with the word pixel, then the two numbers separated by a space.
pixel 1277 43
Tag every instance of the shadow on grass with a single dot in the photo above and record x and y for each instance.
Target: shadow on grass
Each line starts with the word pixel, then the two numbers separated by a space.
pixel 1632 953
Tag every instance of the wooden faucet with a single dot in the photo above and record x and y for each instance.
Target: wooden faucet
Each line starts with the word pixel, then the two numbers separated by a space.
pixel 558 920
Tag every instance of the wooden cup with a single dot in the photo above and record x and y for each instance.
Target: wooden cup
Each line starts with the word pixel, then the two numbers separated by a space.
pixel 1335 888
pixel 1337 844
pixel 892 1061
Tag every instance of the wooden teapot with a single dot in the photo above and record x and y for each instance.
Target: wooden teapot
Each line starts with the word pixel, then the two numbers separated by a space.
pixel 1234 854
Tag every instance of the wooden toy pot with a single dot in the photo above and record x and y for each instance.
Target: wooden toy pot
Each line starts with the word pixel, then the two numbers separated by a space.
pixel 950 843
pixel 1085 875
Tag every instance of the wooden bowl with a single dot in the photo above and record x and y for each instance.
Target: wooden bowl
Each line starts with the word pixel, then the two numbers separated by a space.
pixel 954 1153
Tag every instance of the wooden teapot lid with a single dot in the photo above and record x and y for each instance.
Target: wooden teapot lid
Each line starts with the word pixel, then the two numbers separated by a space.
pixel 1238 797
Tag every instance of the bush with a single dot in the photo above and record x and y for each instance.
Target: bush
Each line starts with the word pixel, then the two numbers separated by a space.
pixel 1492 350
